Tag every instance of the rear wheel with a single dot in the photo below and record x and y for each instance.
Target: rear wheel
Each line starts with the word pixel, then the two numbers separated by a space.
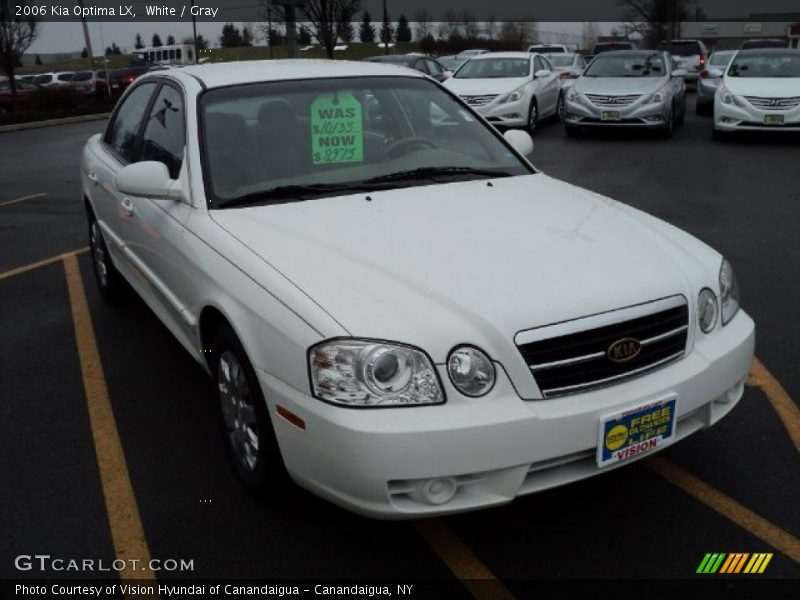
pixel 248 431
pixel 109 280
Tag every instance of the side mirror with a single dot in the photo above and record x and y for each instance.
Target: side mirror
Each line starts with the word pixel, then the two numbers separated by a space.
pixel 447 75
pixel 520 140
pixel 715 73
pixel 542 73
pixel 147 179
pixel 679 73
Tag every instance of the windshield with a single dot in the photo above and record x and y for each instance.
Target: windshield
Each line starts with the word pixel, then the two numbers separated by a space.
pixel 600 48
pixel 683 48
pixel 82 76
pixel 775 64
pixel 721 58
pixel 561 60
pixel 638 65
pixel 492 68
pixel 329 137
pixel 547 49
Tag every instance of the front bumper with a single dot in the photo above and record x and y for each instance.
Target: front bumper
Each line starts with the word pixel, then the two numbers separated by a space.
pixel 586 114
pixel 375 462
pixel 506 114
pixel 731 117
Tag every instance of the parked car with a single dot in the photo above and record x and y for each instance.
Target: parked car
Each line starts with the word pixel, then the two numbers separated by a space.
pixel 423 64
pixel 764 43
pixel 29 78
pixel 120 79
pixel 86 83
pixel 603 47
pixel 759 91
pixel 569 67
pixel 628 88
pixel 49 80
pixel 24 89
pixel 707 84
pixel 549 49
pixel 510 89
pixel 412 329
pixel 454 61
pixel 691 56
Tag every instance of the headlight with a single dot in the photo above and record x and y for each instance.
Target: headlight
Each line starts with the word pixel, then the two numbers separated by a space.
pixel 471 371
pixel 368 373
pixel 726 97
pixel 514 96
pixel 659 95
pixel 706 310
pixel 728 292
pixel 574 96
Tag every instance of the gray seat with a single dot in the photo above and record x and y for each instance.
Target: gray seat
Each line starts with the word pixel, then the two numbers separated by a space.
pixel 232 153
pixel 282 144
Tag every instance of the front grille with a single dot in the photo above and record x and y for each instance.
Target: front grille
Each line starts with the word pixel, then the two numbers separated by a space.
pixel 612 101
pixel 479 100
pixel 774 103
pixel 573 356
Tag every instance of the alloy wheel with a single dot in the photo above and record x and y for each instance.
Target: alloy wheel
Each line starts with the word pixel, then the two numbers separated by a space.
pixel 238 411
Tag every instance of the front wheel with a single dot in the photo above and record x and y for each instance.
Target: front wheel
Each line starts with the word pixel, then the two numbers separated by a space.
pixel 560 109
pixel 249 434
pixel 669 126
pixel 109 280
pixel 533 118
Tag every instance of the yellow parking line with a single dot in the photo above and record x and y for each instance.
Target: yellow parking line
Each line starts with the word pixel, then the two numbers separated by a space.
pixel 787 410
pixel 123 514
pixel 475 575
pixel 727 507
pixel 15 200
pixel 42 263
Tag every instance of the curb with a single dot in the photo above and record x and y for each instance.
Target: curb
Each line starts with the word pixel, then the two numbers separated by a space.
pixel 51 122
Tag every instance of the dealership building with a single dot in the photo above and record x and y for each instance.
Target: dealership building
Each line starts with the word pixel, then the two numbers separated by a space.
pixel 729 35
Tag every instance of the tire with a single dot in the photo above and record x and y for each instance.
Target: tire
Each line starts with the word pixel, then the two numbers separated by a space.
pixel 669 127
pixel 533 118
pixel 682 118
pixel 109 281
pixel 246 425
pixel 560 107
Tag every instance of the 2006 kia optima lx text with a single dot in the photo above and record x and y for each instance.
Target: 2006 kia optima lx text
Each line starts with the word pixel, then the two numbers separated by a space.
pixel 393 303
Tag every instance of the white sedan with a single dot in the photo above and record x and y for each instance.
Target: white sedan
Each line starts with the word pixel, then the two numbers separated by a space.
pixel 399 310
pixel 510 89
pixel 760 91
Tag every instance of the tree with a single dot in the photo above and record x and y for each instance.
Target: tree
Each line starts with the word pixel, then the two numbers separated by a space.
pixel 38 60
pixel 344 31
pixel 403 33
pixel 656 20
pixel 247 35
pixel 274 36
pixel 170 40
pixel 303 36
pixel 387 29
pixel 202 43
pixel 323 15
pixel 16 36
pixel 138 44
pixel 469 25
pixel 231 37
pixel 115 49
pixel 590 35
pixel 84 53
pixel 491 27
pixel 157 41
pixel 109 51
pixel 451 26
pixel 366 31
pixel 424 25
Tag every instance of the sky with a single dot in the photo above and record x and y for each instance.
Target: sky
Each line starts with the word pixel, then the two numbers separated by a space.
pixel 58 37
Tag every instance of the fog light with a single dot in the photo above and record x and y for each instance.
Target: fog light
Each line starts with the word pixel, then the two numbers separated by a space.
pixel 572 117
pixel 734 393
pixel 654 118
pixel 437 491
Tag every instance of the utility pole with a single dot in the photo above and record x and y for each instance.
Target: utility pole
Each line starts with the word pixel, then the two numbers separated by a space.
pixel 269 31
pixel 385 29
pixel 86 39
pixel 194 34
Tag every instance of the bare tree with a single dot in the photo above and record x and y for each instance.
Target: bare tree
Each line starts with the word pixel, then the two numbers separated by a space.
pixel 656 20
pixel 423 21
pixel 491 27
pixel 451 26
pixel 469 25
pixel 323 16
pixel 590 35
pixel 16 36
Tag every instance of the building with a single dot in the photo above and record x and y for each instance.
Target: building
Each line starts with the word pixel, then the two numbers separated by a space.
pixel 729 35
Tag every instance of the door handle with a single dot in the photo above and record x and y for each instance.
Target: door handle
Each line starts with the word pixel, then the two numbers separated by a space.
pixel 93 177
pixel 127 206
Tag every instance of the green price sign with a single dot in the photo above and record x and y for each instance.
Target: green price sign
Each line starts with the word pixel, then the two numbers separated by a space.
pixel 336 133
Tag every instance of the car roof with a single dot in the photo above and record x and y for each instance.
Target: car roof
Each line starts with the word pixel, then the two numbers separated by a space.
pixel 631 53
pixel 214 75
pixel 502 55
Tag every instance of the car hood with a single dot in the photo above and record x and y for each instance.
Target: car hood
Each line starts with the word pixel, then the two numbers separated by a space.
pixel 477 87
pixel 619 85
pixel 771 87
pixel 467 262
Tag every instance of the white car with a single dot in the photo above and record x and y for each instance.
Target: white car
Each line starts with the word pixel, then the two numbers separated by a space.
pixel 509 89
pixel 760 91
pixel 398 309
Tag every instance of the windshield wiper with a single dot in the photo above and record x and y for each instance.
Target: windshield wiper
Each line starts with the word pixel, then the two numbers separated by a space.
pixel 295 193
pixel 432 172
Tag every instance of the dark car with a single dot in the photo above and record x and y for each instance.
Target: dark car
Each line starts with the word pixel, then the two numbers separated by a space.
pixel 24 89
pixel 120 79
pixel 765 43
pixel 423 64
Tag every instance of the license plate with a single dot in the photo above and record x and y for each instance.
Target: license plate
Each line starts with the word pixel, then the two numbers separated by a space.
pixel 633 432
pixel 773 119
pixel 609 115
pixel 114 85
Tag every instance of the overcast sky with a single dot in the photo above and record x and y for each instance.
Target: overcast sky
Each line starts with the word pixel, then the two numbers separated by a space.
pixel 68 36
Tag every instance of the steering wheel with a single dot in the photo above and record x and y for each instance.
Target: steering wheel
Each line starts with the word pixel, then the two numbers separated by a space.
pixel 405 145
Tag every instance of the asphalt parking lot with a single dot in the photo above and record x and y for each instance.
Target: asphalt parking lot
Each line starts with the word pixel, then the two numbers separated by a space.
pixel 151 476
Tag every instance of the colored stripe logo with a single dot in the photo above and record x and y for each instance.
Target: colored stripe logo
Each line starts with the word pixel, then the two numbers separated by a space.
pixel 734 563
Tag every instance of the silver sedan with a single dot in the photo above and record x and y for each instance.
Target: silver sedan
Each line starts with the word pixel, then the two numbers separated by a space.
pixel 628 88
pixel 707 84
